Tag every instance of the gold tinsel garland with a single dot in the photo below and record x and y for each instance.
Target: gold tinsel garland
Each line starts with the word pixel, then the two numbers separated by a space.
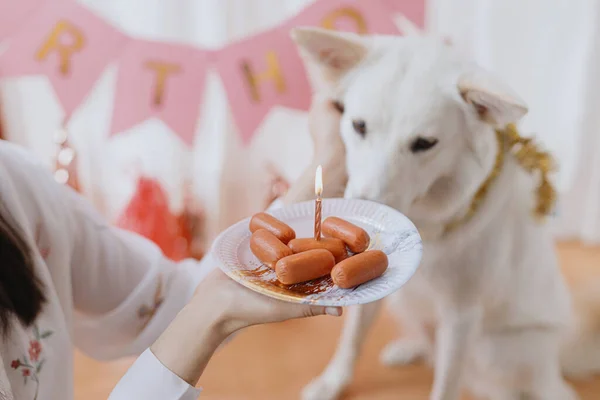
pixel 531 159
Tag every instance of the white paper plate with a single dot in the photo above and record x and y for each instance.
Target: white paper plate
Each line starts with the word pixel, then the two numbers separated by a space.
pixel 390 232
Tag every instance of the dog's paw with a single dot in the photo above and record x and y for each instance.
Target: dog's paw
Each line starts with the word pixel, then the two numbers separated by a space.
pixel 402 352
pixel 324 388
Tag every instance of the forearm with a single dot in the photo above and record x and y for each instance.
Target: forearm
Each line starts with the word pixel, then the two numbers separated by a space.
pixel 187 345
pixel 219 308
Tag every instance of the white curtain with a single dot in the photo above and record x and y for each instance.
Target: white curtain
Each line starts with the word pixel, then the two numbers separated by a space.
pixel 548 51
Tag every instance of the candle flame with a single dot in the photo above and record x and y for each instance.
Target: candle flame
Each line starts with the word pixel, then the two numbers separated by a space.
pixel 319 181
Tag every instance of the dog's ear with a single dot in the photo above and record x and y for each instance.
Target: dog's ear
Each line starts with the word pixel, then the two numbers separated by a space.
pixel 335 53
pixel 493 100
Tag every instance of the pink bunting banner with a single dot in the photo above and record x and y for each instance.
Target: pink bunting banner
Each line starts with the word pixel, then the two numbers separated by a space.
pixel 160 80
pixel 72 47
pixel 358 16
pixel 265 71
pixel 13 13
pixel 259 73
pixel 68 44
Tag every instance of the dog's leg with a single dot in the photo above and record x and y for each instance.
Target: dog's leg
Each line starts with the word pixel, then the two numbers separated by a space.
pixel 563 392
pixel 516 364
pixel 548 383
pixel 416 342
pixel 455 331
pixel 404 351
pixel 339 372
pixel 526 363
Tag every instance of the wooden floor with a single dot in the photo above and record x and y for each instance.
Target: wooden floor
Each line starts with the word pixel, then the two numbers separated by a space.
pixel 274 362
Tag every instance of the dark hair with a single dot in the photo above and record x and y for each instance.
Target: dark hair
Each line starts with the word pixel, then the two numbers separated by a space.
pixel 21 291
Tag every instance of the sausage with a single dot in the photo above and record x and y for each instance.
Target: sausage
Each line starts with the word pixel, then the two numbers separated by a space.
pixel 302 267
pixel 333 245
pixel 267 248
pixel 356 238
pixel 273 225
pixel 359 269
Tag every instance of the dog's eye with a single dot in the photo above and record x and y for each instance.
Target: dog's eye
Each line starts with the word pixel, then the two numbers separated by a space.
pixel 360 127
pixel 422 144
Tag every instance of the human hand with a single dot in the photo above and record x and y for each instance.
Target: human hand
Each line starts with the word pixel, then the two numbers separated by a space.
pixel 235 307
pixel 328 150
pixel 324 126
pixel 219 308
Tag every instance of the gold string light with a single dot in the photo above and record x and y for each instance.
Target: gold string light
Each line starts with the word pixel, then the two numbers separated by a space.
pixel 65 163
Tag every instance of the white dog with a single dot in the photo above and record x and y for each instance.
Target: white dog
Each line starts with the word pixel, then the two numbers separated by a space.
pixel 419 128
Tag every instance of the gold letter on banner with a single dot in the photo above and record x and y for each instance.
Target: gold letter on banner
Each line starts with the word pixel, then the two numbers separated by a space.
pixel 329 20
pixel 65 39
pixel 162 70
pixel 273 72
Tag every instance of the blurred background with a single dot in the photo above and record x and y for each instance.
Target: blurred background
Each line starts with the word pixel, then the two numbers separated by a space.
pixel 549 51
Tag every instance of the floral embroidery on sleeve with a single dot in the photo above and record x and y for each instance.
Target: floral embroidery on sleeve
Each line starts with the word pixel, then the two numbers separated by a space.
pixel 146 312
pixel 30 365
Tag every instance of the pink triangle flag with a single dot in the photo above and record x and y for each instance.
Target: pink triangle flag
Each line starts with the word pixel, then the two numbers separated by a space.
pixel 67 43
pixel 13 13
pixel 259 73
pixel 160 80
pixel 265 70
pixel 358 16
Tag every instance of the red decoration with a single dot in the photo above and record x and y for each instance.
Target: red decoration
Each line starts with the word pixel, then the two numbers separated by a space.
pixel 149 215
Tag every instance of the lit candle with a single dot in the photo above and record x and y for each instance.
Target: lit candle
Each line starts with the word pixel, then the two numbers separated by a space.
pixel 318 201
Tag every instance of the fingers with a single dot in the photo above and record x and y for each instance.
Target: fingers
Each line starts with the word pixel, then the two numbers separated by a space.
pixel 324 126
pixel 327 102
pixel 313 311
pixel 334 311
pixel 325 107
pixel 339 107
pixel 320 99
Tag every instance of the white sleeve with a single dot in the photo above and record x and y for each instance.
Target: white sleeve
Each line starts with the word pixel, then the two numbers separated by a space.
pixel 125 291
pixel 149 379
pixel 121 277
